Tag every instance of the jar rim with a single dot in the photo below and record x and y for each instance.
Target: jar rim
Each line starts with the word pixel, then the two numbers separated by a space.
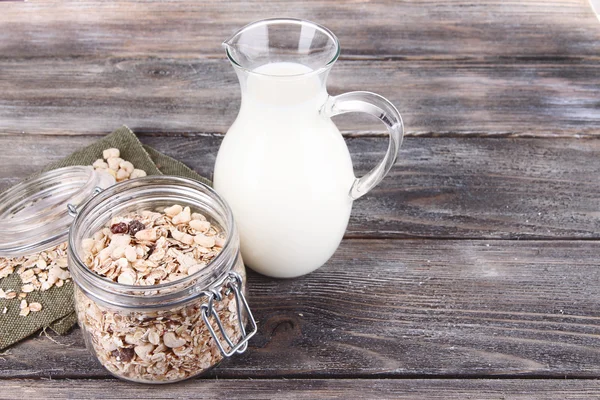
pixel 195 284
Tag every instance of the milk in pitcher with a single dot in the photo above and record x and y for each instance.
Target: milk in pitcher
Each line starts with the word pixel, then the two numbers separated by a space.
pixel 286 172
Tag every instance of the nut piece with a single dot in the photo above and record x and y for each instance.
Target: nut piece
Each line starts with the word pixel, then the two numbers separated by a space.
pixel 120 240
pixel 130 253
pixel 127 167
pixel 35 307
pixel 198 217
pixel 183 217
pixel 182 237
pixel 173 210
pixel 118 252
pixel 146 235
pixel 170 340
pixel 100 164
pixel 122 175
pixel 143 351
pixel 137 173
pixel 111 153
pixel 113 163
pixel 153 337
pixel 200 226
pixel 204 241
pixel 127 278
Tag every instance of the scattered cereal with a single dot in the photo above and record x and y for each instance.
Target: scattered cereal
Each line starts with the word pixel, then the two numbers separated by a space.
pixel 28 288
pixel 111 153
pixel 120 169
pixel 137 173
pixel 44 270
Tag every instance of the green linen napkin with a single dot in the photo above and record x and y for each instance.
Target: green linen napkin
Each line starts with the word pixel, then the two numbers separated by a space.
pixel 58 308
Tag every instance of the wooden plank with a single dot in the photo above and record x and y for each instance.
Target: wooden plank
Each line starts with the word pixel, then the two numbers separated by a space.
pixel 409 29
pixel 440 188
pixel 305 389
pixel 403 308
pixel 91 96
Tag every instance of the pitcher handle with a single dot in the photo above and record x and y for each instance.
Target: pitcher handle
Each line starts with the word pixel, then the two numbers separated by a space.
pixel 379 107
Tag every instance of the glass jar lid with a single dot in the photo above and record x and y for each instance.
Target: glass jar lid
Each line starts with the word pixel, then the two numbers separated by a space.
pixel 34 214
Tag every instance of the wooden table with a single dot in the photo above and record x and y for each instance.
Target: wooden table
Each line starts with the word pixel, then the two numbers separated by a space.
pixel 471 271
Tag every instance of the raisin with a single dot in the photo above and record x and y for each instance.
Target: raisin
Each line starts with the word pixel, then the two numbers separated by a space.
pixel 123 354
pixel 121 227
pixel 135 226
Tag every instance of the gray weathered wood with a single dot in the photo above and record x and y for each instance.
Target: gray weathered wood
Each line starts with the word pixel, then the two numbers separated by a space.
pixel 404 308
pixel 496 29
pixel 91 96
pixel 440 187
pixel 245 389
pixel 382 307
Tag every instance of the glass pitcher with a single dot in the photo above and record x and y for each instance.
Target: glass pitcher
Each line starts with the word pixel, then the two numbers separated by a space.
pixel 283 166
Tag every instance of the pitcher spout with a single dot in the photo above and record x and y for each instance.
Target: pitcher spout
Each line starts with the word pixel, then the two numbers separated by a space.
pixel 282 40
pixel 229 43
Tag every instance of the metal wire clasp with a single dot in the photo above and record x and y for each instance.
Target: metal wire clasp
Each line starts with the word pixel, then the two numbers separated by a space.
pixel 234 282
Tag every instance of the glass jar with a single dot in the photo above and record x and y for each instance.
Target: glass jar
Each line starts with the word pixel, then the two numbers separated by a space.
pixel 171 331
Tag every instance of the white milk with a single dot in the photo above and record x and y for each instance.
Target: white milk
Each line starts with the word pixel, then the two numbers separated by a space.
pixel 286 172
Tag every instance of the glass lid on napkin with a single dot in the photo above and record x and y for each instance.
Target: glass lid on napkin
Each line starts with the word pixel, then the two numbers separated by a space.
pixel 36 214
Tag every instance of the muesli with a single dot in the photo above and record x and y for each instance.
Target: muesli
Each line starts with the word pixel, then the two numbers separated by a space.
pixel 149 248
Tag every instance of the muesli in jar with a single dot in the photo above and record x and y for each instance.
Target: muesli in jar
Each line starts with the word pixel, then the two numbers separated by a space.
pixel 150 252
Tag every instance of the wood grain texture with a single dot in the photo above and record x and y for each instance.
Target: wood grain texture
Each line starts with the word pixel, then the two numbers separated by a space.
pixel 403 309
pixel 418 29
pixel 159 95
pixel 383 314
pixel 305 389
pixel 440 187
